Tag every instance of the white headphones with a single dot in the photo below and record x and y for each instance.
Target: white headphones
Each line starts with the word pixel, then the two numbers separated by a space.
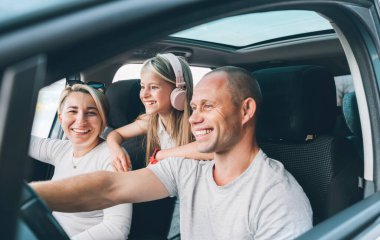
pixel 178 95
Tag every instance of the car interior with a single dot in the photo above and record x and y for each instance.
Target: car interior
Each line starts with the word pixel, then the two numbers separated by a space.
pixel 297 125
pixel 302 124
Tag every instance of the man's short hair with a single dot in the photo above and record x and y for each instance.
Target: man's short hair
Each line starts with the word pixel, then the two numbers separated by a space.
pixel 242 85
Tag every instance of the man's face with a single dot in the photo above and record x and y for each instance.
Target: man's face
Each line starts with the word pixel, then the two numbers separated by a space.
pixel 216 121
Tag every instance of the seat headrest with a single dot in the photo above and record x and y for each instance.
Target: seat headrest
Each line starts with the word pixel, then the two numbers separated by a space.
pixel 125 104
pixel 351 113
pixel 297 101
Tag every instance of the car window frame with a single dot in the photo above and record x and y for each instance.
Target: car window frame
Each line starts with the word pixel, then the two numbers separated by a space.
pixel 360 40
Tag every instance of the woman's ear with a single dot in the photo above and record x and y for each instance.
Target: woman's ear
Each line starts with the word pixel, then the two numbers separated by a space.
pixel 60 118
pixel 248 110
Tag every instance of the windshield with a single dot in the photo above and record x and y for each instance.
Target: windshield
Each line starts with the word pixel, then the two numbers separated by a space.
pixel 253 28
pixel 18 11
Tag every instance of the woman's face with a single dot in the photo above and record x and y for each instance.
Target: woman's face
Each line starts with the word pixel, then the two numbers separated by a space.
pixel 155 93
pixel 80 119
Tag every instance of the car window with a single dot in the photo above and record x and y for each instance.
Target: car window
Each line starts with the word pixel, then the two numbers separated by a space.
pixel 16 12
pixel 343 84
pixel 248 29
pixel 46 108
pixel 132 71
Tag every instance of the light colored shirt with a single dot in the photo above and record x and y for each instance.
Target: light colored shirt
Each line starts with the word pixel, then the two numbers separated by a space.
pixel 264 202
pixel 166 142
pixel 109 223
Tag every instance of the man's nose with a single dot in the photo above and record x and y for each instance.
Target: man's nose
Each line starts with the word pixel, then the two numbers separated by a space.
pixel 195 117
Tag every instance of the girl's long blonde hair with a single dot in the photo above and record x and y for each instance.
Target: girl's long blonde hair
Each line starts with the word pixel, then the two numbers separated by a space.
pixel 178 123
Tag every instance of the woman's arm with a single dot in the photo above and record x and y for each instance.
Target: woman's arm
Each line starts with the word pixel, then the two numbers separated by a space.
pixel 121 160
pixel 187 151
pixel 45 149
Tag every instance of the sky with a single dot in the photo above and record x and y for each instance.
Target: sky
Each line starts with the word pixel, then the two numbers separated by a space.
pixel 246 29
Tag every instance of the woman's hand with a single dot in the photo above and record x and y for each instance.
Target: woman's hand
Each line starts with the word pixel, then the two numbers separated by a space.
pixel 121 161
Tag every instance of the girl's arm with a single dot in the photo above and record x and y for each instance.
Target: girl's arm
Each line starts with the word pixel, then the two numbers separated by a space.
pixel 187 151
pixel 121 161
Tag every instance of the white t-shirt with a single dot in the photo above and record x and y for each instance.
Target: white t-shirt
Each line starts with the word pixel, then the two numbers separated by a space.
pixel 264 202
pixel 166 141
pixel 110 223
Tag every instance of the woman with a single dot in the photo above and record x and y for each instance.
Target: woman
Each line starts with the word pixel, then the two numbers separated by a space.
pixel 82 113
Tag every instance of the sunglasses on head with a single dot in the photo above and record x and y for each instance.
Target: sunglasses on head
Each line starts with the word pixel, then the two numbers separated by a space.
pixel 97 85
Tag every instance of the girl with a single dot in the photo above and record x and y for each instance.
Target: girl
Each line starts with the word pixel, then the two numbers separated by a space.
pixel 166 91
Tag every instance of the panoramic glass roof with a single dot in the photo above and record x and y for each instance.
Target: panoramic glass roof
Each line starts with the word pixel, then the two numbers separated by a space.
pixel 248 29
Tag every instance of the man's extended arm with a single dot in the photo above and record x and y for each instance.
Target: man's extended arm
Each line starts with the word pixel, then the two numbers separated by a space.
pixel 100 190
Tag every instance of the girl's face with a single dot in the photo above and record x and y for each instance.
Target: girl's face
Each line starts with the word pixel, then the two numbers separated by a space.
pixel 80 120
pixel 155 93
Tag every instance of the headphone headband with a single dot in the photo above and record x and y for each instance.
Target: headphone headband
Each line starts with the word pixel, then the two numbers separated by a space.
pixel 177 68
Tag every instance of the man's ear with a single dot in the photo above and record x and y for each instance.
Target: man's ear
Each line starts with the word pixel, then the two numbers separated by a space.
pixel 248 110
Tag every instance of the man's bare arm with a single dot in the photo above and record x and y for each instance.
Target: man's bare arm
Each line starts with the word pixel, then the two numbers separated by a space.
pixel 100 190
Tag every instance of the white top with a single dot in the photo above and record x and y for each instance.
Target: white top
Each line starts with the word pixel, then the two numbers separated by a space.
pixel 110 223
pixel 264 202
pixel 166 141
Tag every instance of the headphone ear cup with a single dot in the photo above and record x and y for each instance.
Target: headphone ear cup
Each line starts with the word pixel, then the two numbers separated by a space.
pixel 177 98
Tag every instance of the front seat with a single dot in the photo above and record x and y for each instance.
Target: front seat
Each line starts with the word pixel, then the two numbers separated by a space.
pixel 295 126
pixel 150 220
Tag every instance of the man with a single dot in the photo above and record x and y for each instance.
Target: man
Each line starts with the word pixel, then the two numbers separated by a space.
pixel 241 194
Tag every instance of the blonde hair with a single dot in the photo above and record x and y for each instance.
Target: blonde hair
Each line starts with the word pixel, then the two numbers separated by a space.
pixel 178 123
pixel 100 100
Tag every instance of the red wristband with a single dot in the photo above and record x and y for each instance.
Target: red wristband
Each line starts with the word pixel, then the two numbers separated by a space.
pixel 152 159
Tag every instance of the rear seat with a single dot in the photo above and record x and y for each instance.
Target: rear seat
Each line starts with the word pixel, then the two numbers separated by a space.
pixel 150 220
pixel 125 107
pixel 299 110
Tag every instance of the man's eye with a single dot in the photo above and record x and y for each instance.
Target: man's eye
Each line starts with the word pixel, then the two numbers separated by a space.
pixel 142 87
pixel 72 111
pixel 207 106
pixel 154 87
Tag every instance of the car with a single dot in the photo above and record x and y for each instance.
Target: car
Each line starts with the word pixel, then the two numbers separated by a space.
pixel 303 53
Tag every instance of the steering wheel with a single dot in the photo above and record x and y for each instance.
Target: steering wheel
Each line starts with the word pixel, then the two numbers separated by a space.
pixel 38 217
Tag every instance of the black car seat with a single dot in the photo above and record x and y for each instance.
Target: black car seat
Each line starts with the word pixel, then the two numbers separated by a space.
pixel 351 115
pixel 125 107
pixel 150 220
pixel 295 126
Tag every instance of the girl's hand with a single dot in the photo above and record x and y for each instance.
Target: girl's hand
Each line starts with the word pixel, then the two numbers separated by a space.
pixel 121 161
